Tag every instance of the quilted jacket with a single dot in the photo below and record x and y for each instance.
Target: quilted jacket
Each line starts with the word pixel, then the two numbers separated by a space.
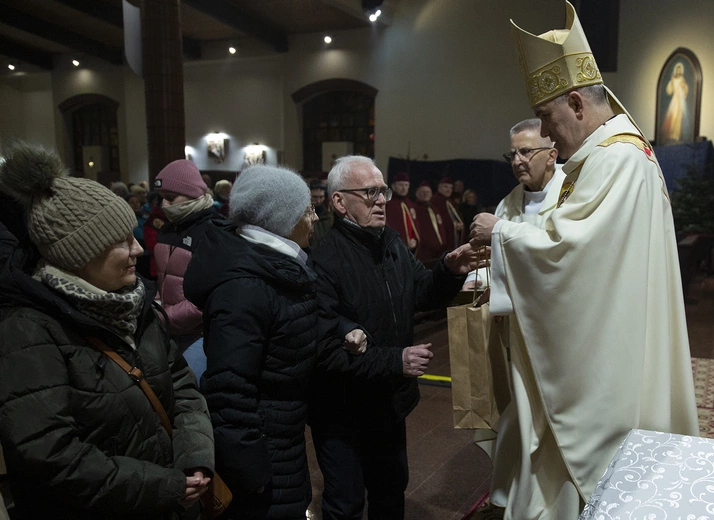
pixel 260 334
pixel 175 244
pixel 80 438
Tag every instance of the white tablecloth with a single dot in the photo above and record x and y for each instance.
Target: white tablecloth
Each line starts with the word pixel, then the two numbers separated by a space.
pixel 656 476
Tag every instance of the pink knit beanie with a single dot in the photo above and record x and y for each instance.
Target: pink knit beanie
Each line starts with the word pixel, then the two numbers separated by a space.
pixel 181 177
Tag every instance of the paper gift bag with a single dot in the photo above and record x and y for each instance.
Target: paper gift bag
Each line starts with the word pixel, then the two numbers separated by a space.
pixel 479 369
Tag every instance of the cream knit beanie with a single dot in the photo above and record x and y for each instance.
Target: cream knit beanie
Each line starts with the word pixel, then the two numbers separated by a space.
pixel 71 220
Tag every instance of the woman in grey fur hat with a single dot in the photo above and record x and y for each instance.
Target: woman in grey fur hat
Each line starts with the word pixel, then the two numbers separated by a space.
pixel 81 438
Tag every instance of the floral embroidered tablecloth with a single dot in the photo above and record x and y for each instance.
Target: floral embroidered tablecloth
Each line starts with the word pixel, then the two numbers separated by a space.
pixel 656 476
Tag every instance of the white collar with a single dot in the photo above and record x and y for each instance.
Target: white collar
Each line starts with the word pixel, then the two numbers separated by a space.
pixel 258 235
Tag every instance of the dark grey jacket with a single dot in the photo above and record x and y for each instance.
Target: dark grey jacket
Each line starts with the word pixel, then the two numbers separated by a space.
pixel 81 440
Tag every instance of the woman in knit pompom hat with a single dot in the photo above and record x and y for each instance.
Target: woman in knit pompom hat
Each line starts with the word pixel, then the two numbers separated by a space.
pixel 80 437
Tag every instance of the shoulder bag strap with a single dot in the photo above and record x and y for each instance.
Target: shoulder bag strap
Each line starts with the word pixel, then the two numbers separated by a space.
pixel 136 374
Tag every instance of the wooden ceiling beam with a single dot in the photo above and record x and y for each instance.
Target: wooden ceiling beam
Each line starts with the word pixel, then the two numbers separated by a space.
pixel 115 16
pixel 26 54
pixel 49 31
pixel 236 17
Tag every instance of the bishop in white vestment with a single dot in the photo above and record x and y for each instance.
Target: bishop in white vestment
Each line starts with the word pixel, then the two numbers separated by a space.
pixel 601 345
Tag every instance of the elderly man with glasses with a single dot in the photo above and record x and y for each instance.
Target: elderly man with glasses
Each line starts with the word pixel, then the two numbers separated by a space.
pixel 369 286
pixel 532 159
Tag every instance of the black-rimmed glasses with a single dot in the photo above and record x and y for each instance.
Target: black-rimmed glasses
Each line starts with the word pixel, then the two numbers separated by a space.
pixel 373 193
pixel 525 153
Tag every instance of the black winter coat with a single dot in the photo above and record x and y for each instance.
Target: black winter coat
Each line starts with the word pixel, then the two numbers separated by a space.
pixel 81 440
pixel 376 284
pixel 260 329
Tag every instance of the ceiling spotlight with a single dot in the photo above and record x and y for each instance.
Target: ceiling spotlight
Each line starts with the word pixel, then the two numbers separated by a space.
pixel 11 66
pixel 378 13
pixel 232 50
pixel 75 63
pixel 372 18
pixel 328 39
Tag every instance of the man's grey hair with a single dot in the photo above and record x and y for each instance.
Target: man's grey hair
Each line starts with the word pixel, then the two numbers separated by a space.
pixel 337 178
pixel 271 197
pixel 525 126
pixel 532 125
pixel 596 94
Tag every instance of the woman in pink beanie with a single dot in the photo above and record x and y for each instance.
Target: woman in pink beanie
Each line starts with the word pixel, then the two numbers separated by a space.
pixel 188 208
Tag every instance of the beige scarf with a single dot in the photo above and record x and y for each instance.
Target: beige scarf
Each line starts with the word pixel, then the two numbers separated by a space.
pixel 178 212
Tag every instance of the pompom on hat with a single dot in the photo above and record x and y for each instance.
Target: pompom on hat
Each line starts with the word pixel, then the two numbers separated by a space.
pixel 181 177
pixel 71 220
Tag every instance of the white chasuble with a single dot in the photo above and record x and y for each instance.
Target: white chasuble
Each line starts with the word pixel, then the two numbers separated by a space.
pixel 598 297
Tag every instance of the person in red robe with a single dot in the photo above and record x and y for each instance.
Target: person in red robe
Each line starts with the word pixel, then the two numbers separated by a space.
pixel 431 227
pixel 453 225
pixel 401 215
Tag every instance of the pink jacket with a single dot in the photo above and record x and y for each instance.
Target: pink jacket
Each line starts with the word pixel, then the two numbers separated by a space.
pixel 174 247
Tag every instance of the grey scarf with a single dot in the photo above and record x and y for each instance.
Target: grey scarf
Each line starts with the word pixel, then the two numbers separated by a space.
pixel 119 311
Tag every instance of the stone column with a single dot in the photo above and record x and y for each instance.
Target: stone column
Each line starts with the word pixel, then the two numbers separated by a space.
pixel 163 82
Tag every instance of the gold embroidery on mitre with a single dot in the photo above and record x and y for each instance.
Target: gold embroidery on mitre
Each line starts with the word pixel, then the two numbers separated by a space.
pixel 557 61
pixel 588 69
pixel 561 76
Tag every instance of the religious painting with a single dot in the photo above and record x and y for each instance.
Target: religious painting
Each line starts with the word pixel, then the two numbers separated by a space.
pixel 217 145
pixel 679 98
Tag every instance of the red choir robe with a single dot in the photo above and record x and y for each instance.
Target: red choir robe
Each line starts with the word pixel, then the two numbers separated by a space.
pixel 401 217
pixel 450 215
pixel 431 232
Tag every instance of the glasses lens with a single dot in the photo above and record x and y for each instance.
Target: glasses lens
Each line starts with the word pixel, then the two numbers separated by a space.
pixel 508 156
pixel 388 194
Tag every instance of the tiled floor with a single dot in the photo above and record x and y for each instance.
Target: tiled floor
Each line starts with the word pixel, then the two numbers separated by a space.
pixel 448 473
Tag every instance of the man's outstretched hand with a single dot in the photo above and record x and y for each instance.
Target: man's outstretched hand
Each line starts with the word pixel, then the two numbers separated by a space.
pixel 462 260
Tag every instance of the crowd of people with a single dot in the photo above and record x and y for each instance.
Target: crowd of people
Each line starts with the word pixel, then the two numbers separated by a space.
pixel 274 302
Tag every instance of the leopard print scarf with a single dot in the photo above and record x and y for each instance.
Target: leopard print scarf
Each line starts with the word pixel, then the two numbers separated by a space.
pixel 119 311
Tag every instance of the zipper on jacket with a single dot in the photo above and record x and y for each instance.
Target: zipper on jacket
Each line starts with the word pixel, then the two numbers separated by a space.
pixel 391 301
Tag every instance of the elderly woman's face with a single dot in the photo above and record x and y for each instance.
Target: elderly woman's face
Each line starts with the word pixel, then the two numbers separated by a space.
pixel 115 268
pixel 303 230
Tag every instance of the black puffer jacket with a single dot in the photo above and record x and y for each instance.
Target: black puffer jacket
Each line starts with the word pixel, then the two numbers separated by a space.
pixel 260 316
pixel 376 284
pixel 81 440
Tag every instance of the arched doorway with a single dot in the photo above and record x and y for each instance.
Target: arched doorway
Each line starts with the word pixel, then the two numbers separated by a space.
pixel 337 114
pixel 91 121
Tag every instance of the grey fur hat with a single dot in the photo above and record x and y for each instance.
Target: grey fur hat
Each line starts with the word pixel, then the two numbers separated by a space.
pixel 273 198
pixel 71 220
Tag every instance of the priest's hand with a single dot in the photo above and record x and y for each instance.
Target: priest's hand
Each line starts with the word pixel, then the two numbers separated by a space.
pixel 355 342
pixel 481 229
pixel 462 260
